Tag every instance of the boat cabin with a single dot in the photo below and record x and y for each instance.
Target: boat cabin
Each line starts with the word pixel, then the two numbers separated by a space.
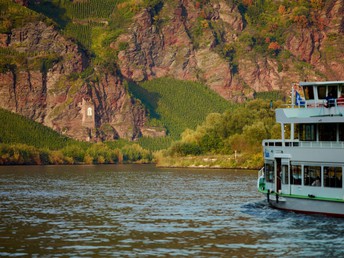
pixel 319 93
pixel 308 160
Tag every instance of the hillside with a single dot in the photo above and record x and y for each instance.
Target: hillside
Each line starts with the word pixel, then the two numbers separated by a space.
pixel 25 142
pixel 69 64
pixel 16 129
pixel 177 105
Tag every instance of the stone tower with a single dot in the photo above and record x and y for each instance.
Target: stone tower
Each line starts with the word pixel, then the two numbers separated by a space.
pixel 88 117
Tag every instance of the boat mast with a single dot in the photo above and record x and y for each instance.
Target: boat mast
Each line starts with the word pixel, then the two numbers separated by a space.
pixel 292 105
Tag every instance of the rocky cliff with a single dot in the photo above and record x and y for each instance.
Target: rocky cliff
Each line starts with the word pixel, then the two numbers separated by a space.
pixel 47 86
pixel 228 45
pixel 163 42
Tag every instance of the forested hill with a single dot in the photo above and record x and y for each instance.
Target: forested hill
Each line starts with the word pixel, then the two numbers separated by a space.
pixel 72 65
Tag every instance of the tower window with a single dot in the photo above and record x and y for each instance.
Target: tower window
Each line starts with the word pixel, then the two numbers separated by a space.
pixel 89 111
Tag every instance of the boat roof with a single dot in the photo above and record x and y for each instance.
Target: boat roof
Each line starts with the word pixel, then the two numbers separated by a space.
pixel 310 115
pixel 321 83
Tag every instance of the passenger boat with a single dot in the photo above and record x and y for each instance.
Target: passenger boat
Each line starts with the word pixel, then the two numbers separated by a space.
pixel 303 171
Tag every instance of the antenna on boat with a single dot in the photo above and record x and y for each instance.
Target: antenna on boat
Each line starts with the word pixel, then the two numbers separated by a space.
pixel 293 84
pixel 292 129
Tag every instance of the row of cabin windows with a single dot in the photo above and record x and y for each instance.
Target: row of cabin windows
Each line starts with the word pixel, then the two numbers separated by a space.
pixel 323 91
pixel 312 175
pixel 321 132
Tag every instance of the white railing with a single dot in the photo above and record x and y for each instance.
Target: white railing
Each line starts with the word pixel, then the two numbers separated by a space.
pixel 303 144
pixel 336 103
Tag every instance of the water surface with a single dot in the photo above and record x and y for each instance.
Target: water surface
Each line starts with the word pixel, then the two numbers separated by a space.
pixel 140 210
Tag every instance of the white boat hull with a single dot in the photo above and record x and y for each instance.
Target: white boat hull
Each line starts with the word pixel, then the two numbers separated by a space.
pixel 309 206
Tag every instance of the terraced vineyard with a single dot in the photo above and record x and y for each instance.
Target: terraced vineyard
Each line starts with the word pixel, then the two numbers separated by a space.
pixel 178 105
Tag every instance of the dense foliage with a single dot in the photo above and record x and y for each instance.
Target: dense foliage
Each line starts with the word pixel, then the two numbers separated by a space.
pixel 178 105
pixel 236 133
pixel 23 141
pixel 16 129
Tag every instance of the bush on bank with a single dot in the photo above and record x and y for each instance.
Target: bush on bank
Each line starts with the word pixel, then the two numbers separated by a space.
pixel 99 153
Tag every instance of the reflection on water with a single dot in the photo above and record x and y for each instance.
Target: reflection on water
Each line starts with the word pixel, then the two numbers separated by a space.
pixel 140 210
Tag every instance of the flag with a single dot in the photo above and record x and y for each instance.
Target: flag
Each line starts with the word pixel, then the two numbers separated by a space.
pixel 299 100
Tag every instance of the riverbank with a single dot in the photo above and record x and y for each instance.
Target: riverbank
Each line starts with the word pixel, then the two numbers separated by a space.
pixel 211 161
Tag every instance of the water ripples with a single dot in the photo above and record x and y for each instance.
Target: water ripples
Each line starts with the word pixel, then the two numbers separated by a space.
pixel 145 211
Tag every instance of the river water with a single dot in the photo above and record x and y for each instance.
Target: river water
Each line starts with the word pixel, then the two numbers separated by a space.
pixel 143 211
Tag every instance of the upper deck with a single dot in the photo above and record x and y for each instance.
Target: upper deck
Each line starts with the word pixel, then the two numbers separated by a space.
pixel 323 102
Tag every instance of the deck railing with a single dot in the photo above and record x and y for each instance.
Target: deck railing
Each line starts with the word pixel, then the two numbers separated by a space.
pixel 320 103
pixel 303 144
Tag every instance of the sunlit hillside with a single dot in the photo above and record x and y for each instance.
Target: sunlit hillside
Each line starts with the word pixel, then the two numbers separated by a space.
pixel 16 129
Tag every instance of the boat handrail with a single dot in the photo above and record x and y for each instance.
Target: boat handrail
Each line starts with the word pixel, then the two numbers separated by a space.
pixel 304 144
pixel 317 104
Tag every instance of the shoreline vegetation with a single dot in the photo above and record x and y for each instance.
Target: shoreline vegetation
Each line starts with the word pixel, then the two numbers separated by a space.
pixel 206 162
pixel 224 140
pixel 98 153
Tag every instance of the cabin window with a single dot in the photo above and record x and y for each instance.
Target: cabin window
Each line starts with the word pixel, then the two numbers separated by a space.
pixel 308 91
pixel 327 132
pixel 333 90
pixel 341 90
pixel 308 132
pixel 295 178
pixel 322 92
pixel 285 180
pixel 269 172
pixel 333 177
pixel 312 175
pixel 341 132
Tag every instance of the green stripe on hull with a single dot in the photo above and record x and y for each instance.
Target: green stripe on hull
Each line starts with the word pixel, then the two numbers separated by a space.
pixel 303 197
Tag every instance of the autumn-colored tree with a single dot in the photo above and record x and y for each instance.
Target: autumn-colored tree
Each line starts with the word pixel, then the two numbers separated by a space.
pixel 274 46
pixel 273 27
pixel 301 20
pixel 281 9
pixel 317 4
pixel 247 2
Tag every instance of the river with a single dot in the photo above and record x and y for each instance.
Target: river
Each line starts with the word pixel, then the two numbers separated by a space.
pixel 144 211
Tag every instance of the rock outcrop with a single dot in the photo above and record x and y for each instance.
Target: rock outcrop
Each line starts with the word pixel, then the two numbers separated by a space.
pixel 54 93
pixel 157 48
pixel 165 44
pixel 45 78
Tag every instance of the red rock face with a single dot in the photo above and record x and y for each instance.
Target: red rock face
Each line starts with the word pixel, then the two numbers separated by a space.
pixel 168 49
pixel 158 46
pixel 70 106
pixel 156 50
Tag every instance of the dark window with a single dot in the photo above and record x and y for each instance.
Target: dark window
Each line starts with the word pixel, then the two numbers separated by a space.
pixel 269 172
pixel 333 90
pixel 327 132
pixel 341 132
pixel 333 177
pixel 285 174
pixel 307 132
pixel 296 177
pixel 308 91
pixel 312 175
pixel 322 92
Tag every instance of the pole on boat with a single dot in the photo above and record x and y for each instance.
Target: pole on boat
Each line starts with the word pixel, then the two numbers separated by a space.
pixel 292 96
pixel 292 104
pixel 282 134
